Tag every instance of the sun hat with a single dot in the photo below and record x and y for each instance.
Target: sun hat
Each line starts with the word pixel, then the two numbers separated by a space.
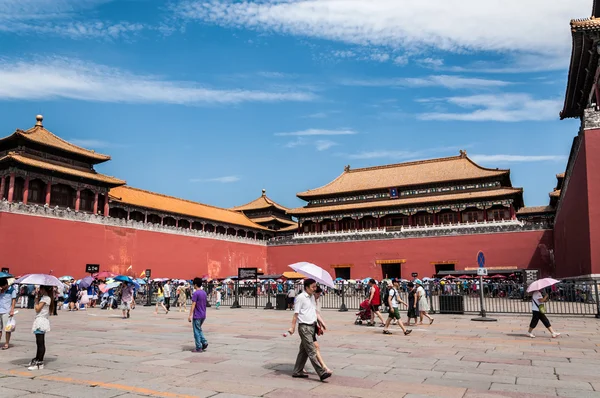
pixel 418 282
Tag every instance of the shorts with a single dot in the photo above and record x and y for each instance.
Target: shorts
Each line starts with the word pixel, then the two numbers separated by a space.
pixel 3 322
pixel 394 313
pixel 160 300
pixel 375 308
pixel 125 306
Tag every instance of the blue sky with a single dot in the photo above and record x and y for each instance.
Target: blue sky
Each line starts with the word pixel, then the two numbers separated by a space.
pixel 213 101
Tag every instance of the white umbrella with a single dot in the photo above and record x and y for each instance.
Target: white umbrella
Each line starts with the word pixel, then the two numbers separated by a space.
pixel 315 272
pixel 39 279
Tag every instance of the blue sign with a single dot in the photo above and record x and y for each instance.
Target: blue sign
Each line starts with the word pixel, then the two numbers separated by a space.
pixel 481 260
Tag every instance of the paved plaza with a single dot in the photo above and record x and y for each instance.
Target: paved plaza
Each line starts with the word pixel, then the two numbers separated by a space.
pixel 95 353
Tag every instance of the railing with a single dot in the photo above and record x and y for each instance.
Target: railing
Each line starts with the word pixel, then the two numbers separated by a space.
pixel 66 213
pixel 400 232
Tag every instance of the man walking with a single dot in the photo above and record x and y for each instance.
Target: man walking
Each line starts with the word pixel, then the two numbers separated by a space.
pixel 393 300
pixel 198 315
pixel 167 290
pixel 305 314
pixel 8 300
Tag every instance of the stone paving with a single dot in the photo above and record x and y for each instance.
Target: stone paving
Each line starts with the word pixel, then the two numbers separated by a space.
pixel 96 354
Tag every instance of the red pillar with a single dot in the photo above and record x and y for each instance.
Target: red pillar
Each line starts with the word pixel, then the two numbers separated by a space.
pixel 378 222
pixel 161 220
pixel 410 220
pixel 337 225
pixel 459 216
pixel 78 200
pixel 2 186
pixel 485 215
pixel 176 223
pixel 127 215
pixel 191 222
pixel 513 215
pixel 96 203
pixel 145 217
pixel 48 192
pixel 436 219
pixel 11 187
pixel 26 191
pixel 106 208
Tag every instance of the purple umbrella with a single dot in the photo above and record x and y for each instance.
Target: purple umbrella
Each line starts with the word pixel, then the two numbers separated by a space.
pixel 541 284
pixel 39 279
pixel 86 282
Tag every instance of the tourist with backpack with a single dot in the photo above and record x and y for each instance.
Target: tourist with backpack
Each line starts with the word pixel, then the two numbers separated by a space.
pixel 393 300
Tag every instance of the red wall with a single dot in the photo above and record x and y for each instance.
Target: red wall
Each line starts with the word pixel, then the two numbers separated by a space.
pixel 518 249
pixel 30 244
pixel 577 224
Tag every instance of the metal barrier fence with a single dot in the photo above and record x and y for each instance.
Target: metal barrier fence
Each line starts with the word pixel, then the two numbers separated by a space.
pixel 579 298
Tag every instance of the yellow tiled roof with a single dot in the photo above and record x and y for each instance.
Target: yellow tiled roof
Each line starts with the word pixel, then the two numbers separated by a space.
pixel 536 209
pixel 287 229
pixel 46 165
pixel 40 135
pixel 555 193
pixel 456 168
pixel 560 175
pixel 169 204
pixel 464 196
pixel 262 202
pixel 272 218
pixel 585 24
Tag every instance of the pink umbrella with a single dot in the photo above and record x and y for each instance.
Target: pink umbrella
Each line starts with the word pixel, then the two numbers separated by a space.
pixel 499 276
pixel 449 277
pixel 541 284
pixel 104 275
pixel 102 288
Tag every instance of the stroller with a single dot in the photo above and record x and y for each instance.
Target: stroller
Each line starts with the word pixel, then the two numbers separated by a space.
pixel 364 313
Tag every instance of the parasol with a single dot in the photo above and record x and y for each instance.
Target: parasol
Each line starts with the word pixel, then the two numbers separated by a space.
pixel 86 282
pixel 314 272
pixel 541 284
pixel 39 279
pixel 464 277
pixel 499 276
pixel 104 275
pixel 5 275
pixel 65 278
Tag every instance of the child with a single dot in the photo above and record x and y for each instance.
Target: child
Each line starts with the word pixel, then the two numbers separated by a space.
pixel 43 305
pixel 412 311
pixel 218 298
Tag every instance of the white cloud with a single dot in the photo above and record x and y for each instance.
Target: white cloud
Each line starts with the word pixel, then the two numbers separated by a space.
pixel 322 115
pixel 323 145
pixel 516 158
pixel 507 107
pixel 223 180
pixel 60 18
pixel 74 79
pixel 431 62
pixel 380 57
pixel 533 26
pixel 314 132
pixel 401 60
pixel 447 81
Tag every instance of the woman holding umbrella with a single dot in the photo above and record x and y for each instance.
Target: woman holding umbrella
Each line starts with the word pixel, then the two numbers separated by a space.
pixel 538 306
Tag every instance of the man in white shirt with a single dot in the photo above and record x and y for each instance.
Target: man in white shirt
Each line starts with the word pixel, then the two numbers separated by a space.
pixel 393 301
pixel 305 314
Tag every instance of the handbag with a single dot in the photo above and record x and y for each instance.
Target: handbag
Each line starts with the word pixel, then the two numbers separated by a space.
pixel 541 307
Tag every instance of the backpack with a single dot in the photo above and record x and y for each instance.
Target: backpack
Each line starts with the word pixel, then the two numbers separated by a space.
pixel 386 296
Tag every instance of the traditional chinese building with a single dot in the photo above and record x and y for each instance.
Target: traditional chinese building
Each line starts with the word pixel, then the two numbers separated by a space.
pixel 442 191
pixel 268 213
pixel 577 223
pixel 70 215
pixel 37 167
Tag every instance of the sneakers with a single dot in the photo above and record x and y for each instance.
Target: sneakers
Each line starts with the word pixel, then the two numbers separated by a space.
pixel 408 331
pixel 555 335
pixel 31 362
pixel 531 335
pixel 204 346
pixel 197 350
pixel 386 332
pixel 36 365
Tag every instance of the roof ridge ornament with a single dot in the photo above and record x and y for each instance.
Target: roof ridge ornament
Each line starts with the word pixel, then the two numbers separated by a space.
pixel 264 192
pixel 463 153
pixel 39 119
pixel 347 168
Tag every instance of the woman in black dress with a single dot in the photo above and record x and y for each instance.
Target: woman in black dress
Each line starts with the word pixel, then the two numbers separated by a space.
pixel 412 311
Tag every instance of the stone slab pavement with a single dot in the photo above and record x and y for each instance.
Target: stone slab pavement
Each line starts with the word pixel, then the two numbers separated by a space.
pixel 95 353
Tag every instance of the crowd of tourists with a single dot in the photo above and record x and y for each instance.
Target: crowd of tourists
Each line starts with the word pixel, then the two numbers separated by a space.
pixel 308 319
